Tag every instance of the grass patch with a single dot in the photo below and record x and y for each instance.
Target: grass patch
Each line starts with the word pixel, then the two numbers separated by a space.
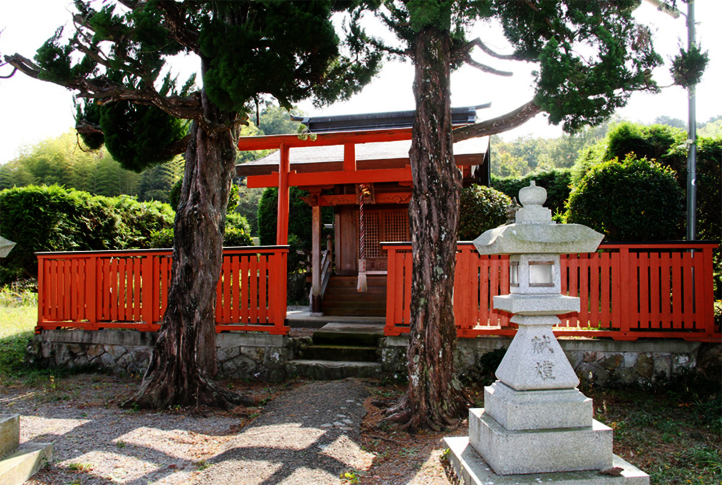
pixel 671 431
pixel 18 317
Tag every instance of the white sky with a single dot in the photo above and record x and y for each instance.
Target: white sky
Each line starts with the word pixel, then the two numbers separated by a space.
pixel 34 110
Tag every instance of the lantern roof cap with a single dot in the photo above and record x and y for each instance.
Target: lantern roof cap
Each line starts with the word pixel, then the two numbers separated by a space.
pixel 535 232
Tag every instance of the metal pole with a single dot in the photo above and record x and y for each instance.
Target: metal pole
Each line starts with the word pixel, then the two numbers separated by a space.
pixel 692 138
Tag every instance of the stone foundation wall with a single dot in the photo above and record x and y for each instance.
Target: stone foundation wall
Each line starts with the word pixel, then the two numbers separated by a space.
pixel 254 356
pixel 263 357
pixel 595 361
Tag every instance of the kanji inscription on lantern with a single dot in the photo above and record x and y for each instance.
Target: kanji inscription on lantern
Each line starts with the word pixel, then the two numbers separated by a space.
pixel 545 370
pixel 542 345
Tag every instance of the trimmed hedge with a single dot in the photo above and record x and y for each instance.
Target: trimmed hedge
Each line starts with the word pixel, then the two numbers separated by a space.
pixel 42 218
pixel 557 183
pixel 635 200
pixel 481 208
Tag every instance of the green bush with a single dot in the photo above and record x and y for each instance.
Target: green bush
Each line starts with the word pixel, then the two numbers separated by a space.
pixel 635 200
pixel 42 218
pixel 481 208
pixel 557 183
pixel 237 233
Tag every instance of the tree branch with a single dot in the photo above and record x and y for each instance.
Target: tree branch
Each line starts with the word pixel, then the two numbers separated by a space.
pixel 466 49
pixel 175 26
pixel 497 125
pixel 9 75
pixel 484 67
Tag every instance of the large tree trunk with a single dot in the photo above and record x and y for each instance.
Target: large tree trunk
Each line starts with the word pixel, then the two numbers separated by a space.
pixel 184 356
pixel 433 399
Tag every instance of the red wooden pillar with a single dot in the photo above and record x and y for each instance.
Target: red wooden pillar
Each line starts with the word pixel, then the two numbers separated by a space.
pixel 282 224
pixel 316 255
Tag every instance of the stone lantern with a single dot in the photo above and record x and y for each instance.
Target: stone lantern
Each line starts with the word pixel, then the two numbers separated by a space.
pixel 535 420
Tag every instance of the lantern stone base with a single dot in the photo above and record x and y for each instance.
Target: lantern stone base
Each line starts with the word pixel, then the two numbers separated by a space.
pixel 473 470
pixel 511 452
pixel 526 410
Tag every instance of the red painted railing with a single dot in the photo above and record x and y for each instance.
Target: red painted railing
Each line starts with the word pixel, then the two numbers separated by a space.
pixel 627 291
pixel 129 289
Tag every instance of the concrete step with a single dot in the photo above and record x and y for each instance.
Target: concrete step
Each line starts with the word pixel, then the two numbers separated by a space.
pixel 349 334
pixel 340 353
pixel 19 466
pixel 353 312
pixel 327 370
pixel 9 433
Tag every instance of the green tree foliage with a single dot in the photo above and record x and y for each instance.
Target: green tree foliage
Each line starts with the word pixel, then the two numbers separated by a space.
pixel 481 208
pixel 635 200
pixel 42 218
pixel 526 154
pixel 556 182
pixel 65 161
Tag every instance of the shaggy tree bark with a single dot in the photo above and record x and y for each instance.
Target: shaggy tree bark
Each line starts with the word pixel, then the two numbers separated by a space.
pixel 434 397
pixel 184 356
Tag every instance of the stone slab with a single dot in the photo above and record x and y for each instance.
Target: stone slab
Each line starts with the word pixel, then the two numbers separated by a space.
pixel 9 433
pixel 24 463
pixel 519 410
pixel 473 470
pixel 536 361
pixel 540 451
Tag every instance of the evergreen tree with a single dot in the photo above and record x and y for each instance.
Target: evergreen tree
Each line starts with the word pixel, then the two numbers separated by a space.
pixel 574 90
pixel 247 49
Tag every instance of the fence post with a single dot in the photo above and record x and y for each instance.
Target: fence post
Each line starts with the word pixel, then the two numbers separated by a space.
pixel 708 290
pixel 148 299
pixel 391 270
pixel 627 290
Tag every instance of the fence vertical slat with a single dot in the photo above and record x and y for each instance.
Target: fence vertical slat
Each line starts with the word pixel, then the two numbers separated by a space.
pixel 408 262
pixel 606 300
pixel 283 293
pixel 399 281
pixel 262 294
pixel 235 270
pixel 391 271
pixel 163 287
pixel 665 291
pixel 594 319
pixel 245 301
pixel 122 289
pixel 584 284
pixel 73 290
pixel 705 305
pixel 644 290
pixel 146 282
pixel 677 299
pixel 253 293
pixel 687 269
pixel 620 275
pixel 42 291
pixel 137 315
pixel 655 290
pixel 227 285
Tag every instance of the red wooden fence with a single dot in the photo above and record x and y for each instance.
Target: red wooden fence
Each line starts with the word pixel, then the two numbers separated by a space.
pixel 627 291
pixel 129 289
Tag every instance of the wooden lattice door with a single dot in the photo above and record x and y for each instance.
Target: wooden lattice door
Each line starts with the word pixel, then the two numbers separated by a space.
pixel 384 225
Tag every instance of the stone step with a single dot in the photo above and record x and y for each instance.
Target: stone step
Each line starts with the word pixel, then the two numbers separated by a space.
pixel 340 353
pixel 327 370
pixel 9 433
pixel 19 466
pixel 353 312
pixel 349 334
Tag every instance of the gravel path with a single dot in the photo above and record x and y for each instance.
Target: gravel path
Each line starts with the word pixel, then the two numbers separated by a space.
pixel 307 436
